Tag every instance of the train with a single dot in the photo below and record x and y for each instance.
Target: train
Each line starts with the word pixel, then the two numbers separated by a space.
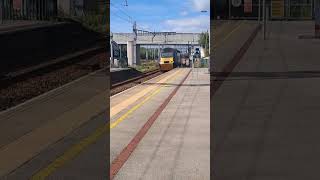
pixel 171 58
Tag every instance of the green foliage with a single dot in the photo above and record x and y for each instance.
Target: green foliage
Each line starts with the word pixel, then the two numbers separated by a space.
pixel 142 53
pixel 204 42
pixel 147 66
pixel 95 20
pixel 150 53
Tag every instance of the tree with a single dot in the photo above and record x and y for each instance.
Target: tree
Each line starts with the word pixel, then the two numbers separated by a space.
pixel 204 42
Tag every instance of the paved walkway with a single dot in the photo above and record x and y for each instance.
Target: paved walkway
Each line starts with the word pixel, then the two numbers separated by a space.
pixel 266 113
pixel 177 144
pixel 37 133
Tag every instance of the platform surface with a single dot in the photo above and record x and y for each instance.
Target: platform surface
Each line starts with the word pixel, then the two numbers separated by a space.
pixel 266 112
pixel 177 145
pixel 33 135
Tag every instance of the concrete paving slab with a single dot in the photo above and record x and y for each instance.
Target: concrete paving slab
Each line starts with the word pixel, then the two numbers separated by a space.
pixel 35 126
pixel 265 127
pixel 89 164
pixel 177 145
pixel 228 41
pixel 121 135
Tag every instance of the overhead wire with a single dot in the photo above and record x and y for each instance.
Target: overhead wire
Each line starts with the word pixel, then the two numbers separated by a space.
pixel 121 17
pixel 123 12
pixel 130 20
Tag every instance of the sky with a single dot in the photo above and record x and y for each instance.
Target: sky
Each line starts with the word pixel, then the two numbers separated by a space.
pixel 160 15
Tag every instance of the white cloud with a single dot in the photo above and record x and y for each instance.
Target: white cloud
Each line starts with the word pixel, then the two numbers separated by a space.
pixel 200 5
pixel 184 13
pixel 191 24
pixel 144 26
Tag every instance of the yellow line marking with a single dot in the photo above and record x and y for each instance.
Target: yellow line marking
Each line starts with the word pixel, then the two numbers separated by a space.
pixel 124 104
pixel 48 133
pixel 79 147
pixel 70 154
pixel 114 124
pixel 228 35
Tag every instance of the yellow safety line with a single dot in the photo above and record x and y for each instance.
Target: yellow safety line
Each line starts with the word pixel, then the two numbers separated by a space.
pixel 114 124
pixel 126 102
pixel 70 154
pixel 79 147
pixel 228 35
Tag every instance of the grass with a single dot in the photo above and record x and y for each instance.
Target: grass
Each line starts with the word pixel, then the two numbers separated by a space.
pixel 96 21
pixel 147 66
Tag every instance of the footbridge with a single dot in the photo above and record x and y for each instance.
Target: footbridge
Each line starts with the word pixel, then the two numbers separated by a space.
pixel 133 42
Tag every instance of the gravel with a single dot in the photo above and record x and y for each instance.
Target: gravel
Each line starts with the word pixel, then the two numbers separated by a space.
pixel 20 92
pixel 131 84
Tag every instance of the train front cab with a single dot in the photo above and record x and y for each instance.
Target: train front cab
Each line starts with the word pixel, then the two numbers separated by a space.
pixel 166 64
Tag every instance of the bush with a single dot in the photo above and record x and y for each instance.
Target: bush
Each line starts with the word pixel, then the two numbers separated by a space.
pixel 94 20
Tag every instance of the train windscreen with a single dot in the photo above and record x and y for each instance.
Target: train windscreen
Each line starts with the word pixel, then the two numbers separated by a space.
pixel 166 54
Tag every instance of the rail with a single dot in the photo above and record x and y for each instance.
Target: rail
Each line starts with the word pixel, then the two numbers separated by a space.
pixel 116 85
pixel 51 65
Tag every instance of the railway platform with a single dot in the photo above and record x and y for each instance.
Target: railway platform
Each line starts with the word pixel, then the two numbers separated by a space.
pixel 37 134
pixel 266 111
pixel 160 129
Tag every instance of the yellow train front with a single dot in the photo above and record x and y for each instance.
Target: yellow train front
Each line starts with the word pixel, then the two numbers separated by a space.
pixel 170 58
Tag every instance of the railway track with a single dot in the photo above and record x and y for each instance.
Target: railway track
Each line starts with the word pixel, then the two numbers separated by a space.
pixel 123 85
pixel 88 58
pixel 20 86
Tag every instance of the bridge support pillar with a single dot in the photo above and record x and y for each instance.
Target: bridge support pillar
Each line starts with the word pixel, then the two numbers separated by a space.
pixel 133 53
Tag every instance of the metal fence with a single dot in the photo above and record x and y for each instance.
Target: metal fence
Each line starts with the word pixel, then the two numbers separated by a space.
pixel 288 10
pixel 201 63
pixel 300 10
pixel 27 10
